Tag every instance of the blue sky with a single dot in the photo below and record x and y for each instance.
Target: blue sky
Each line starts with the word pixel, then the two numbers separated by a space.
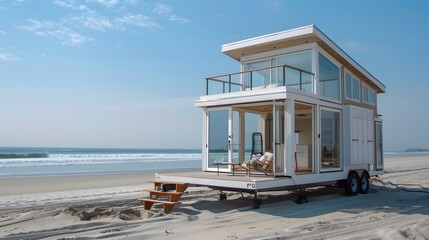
pixel 125 73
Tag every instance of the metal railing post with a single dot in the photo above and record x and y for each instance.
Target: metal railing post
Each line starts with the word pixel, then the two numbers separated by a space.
pixel 284 75
pixel 300 80
pixel 251 79
pixel 229 76
pixel 223 86
pixel 207 86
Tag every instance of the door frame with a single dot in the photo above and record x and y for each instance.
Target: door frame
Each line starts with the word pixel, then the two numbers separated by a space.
pixel 278 103
pixel 229 143
pixel 319 145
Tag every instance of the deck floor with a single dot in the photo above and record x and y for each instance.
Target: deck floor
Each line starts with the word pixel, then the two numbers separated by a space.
pixel 222 176
pixel 226 180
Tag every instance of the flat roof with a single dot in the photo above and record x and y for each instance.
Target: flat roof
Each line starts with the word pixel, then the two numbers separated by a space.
pixel 294 37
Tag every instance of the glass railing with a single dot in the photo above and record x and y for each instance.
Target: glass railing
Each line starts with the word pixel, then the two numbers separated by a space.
pixel 276 76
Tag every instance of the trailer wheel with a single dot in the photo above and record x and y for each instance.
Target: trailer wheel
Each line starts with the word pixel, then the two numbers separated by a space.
pixel 256 203
pixel 352 185
pixel 222 196
pixel 364 183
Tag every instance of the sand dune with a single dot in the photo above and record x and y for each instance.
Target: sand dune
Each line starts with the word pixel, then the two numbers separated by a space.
pixel 386 212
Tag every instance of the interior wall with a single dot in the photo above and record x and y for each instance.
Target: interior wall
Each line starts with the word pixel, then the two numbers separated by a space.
pixel 304 127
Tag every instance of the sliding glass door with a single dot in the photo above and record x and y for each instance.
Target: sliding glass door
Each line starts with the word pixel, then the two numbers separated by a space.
pixel 223 137
pixel 330 139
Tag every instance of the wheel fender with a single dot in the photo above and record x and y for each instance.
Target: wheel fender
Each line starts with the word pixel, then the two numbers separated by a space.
pixel 351 172
pixel 358 171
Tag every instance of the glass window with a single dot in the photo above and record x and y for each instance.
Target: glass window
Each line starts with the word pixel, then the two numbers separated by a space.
pixel 330 139
pixel 301 60
pixel 365 93
pixel 356 89
pixel 259 78
pixel 218 136
pixel 368 95
pixel 348 85
pixel 329 78
pixel 371 96
pixel 352 87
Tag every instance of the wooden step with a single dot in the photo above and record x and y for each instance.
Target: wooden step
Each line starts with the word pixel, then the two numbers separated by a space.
pixel 167 205
pixel 180 187
pixel 173 196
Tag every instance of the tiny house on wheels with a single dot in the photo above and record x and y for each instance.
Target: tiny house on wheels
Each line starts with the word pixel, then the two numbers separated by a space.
pixel 299 113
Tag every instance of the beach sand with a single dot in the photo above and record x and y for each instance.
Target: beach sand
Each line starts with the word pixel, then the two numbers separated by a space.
pixel 106 206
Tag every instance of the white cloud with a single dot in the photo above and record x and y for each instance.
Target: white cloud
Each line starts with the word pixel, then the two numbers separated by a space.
pixel 132 2
pixel 106 3
pixel 137 20
pixel 94 21
pixel 3 32
pixel 51 29
pixel 7 57
pixel 162 9
pixel 18 2
pixel 174 18
pixel 166 11
pixel 36 25
pixel 70 4
pixel 69 37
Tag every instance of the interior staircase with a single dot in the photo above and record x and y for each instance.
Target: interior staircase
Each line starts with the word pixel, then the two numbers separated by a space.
pixel 166 193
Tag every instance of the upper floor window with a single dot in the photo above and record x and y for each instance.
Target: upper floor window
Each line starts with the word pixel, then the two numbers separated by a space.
pixel 329 78
pixel 368 95
pixel 352 87
pixel 294 78
pixel 273 73
pixel 259 78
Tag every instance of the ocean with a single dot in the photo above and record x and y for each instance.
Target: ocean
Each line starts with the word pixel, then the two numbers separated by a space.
pixel 71 161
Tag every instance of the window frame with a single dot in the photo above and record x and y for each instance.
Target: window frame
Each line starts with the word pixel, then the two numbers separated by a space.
pixel 351 87
pixel 274 58
pixel 319 142
pixel 336 63
pixel 369 89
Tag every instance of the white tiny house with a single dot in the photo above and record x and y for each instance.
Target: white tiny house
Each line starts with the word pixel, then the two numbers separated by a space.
pixel 313 108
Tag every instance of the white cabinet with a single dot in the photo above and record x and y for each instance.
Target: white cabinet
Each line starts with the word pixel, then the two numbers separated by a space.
pixel 358 136
pixel 303 156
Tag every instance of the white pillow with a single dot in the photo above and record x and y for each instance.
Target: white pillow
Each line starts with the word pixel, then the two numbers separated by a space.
pixel 269 156
pixel 263 158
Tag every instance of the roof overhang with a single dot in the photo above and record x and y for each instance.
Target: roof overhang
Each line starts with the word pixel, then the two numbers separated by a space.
pixel 295 37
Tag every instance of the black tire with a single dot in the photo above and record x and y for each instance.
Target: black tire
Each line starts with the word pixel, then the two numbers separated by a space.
pixel 256 203
pixel 222 197
pixel 364 183
pixel 352 184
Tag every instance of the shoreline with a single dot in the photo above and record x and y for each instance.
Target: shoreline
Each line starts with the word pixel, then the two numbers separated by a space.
pixel 99 173
pixel 31 184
